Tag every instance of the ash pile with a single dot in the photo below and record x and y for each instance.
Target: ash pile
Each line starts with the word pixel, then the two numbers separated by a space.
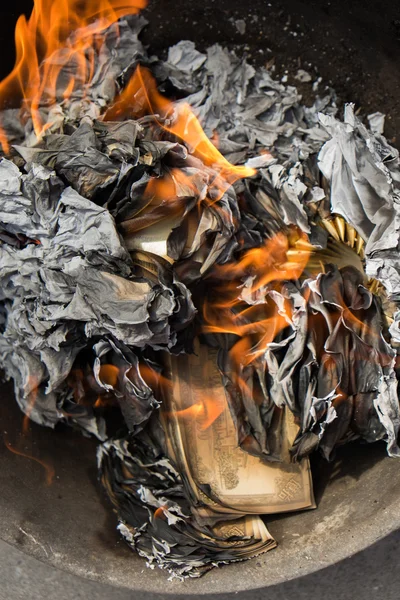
pixel 213 316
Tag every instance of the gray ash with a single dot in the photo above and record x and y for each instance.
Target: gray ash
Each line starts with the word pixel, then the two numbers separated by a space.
pixel 114 232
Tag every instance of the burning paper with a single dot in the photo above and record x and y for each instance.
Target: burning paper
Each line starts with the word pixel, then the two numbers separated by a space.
pixel 232 308
pixel 202 440
pixel 155 513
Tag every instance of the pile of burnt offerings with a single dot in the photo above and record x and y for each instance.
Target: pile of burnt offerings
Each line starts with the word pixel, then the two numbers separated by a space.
pixel 214 302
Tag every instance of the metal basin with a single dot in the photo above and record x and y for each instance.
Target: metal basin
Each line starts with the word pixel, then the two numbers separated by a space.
pixel 69 524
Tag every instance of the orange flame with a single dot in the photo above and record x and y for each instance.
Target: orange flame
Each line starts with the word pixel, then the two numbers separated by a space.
pixel 32 386
pixel 159 512
pixel 108 374
pixel 161 201
pixel 280 258
pixel 47 33
pixel 141 97
pixel 49 469
pixel 205 412
pixel 32 397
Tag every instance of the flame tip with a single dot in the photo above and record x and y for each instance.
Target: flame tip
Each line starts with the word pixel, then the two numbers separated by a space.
pixel 49 30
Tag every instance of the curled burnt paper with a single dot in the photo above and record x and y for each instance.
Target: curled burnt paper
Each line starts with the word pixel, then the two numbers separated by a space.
pixel 211 315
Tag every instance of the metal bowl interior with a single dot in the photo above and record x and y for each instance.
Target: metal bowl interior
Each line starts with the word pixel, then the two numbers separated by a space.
pixel 69 524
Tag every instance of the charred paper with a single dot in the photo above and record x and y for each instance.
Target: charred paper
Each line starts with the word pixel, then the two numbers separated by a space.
pixel 120 238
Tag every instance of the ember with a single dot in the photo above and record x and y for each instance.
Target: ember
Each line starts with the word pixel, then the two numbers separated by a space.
pixel 227 309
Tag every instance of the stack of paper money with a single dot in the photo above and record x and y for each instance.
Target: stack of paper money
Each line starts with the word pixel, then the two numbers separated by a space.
pixel 228 487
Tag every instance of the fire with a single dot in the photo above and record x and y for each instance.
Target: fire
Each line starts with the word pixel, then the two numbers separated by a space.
pixel 161 201
pixel 204 412
pixel 141 97
pixel 159 512
pixel 109 374
pixel 225 311
pixel 66 31
pixel 32 386
pixel 49 469
pixel 280 258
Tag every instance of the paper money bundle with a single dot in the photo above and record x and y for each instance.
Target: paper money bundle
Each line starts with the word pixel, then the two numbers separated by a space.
pixel 211 315
pixel 207 506
pixel 202 441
